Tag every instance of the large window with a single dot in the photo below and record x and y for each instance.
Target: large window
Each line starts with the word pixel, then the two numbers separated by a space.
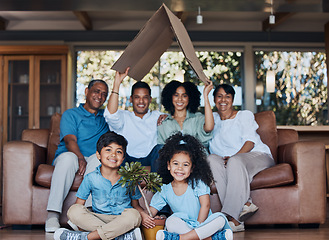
pixel 299 97
pixel 220 67
pixel 300 94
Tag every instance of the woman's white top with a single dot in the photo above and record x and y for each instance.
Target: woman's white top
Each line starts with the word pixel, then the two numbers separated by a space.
pixel 230 135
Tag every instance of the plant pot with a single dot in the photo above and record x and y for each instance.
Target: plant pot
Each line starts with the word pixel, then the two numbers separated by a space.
pixel 150 233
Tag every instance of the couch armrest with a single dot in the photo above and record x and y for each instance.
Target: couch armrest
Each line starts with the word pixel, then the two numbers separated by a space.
pixel 20 162
pixel 307 160
pixel 286 136
pixel 37 136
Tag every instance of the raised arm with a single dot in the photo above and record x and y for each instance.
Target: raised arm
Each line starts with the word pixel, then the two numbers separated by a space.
pixel 112 105
pixel 209 118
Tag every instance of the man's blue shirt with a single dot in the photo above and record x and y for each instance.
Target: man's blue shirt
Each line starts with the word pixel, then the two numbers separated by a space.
pixel 87 127
pixel 106 198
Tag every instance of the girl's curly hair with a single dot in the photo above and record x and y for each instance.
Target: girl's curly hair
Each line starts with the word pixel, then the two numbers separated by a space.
pixel 191 90
pixel 179 143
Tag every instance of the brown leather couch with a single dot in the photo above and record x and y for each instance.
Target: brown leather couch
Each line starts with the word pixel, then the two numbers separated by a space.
pixel 291 192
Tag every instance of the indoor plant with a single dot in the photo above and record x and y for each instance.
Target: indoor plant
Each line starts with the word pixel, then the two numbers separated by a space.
pixel 135 175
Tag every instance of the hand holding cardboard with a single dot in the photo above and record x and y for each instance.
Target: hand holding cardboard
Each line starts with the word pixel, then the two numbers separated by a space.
pixel 152 41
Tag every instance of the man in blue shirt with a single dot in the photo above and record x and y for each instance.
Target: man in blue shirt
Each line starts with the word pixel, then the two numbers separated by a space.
pixel 80 128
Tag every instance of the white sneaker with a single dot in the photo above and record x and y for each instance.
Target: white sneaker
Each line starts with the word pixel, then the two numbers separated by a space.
pixel 73 226
pixel 247 212
pixel 65 234
pixel 138 234
pixel 52 224
pixel 131 235
pixel 239 228
pixel 226 234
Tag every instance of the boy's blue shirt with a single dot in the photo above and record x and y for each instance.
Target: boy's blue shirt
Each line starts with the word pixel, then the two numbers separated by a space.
pixel 106 199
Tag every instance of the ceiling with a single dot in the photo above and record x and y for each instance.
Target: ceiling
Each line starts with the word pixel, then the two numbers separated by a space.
pixel 224 20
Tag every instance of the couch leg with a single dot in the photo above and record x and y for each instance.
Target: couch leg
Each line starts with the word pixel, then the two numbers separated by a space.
pixel 308 225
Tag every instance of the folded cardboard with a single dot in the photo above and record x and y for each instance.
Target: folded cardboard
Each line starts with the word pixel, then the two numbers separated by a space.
pixel 152 41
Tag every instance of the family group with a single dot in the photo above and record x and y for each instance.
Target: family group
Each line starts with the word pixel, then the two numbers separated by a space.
pixel 189 150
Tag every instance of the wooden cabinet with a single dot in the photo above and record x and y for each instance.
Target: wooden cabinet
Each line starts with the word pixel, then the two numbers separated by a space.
pixel 17 87
pixel 50 88
pixel 34 88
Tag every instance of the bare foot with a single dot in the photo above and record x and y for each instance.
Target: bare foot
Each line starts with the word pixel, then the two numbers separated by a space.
pixel 248 203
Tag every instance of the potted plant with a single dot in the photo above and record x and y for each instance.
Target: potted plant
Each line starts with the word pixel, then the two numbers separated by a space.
pixel 135 175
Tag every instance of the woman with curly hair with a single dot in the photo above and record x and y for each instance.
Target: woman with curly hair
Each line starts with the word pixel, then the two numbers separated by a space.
pixel 187 177
pixel 182 100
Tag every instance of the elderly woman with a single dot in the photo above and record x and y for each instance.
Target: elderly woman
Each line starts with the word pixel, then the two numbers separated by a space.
pixel 182 100
pixel 237 155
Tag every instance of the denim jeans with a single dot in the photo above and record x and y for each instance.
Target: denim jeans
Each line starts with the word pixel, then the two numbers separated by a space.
pixel 149 160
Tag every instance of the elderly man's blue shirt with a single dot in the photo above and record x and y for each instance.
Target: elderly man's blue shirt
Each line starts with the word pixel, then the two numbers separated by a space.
pixel 87 127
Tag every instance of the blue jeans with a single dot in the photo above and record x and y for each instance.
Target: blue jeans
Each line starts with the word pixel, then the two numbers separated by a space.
pixel 149 160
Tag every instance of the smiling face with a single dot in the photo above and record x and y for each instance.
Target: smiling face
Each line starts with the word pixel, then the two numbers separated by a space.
pixel 223 101
pixel 111 156
pixel 141 100
pixel 180 166
pixel 180 99
pixel 95 97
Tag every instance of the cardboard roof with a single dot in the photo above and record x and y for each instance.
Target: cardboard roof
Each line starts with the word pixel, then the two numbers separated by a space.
pixel 152 41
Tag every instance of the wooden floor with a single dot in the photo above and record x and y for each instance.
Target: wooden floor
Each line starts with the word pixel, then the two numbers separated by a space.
pixel 286 232
pixel 266 233
pixel 259 233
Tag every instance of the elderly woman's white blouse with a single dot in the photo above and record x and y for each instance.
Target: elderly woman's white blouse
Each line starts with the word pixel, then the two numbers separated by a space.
pixel 230 135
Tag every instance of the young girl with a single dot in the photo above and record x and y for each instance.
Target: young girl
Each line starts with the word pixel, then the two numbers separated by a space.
pixel 186 176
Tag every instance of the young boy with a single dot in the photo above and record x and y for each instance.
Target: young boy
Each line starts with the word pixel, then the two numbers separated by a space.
pixel 114 212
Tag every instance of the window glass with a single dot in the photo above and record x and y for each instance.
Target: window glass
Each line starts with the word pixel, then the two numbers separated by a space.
pixel 220 67
pixel 300 92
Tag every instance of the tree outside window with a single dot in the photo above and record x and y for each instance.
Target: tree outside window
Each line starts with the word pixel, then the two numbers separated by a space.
pixel 220 67
pixel 300 96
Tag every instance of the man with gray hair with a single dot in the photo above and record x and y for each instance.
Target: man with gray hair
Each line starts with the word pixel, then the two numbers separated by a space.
pixel 80 129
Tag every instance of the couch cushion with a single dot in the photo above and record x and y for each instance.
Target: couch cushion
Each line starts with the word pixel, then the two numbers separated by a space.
pixel 45 172
pixel 267 130
pixel 278 175
pixel 53 139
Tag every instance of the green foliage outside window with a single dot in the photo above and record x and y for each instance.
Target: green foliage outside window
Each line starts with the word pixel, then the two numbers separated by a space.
pixel 300 96
pixel 220 67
